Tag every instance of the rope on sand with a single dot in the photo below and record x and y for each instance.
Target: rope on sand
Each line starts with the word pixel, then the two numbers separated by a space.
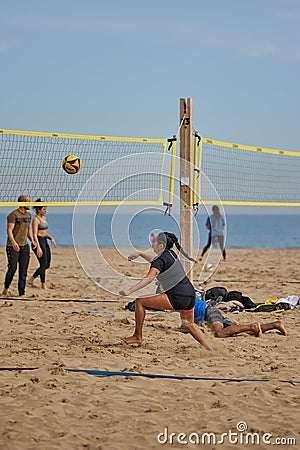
pixel 82 300
pixel 104 311
pixel 18 368
pixel 107 373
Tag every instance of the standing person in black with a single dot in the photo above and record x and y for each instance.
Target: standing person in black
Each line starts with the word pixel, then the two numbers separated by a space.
pixel 178 292
pixel 42 250
pixel 17 248
pixel 215 224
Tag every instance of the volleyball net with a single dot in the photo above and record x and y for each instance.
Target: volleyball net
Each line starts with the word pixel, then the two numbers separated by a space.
pixel 245 175
pixel 133 171
pixel 129 170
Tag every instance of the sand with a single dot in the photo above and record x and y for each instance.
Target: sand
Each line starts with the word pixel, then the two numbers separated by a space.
pixel 77 325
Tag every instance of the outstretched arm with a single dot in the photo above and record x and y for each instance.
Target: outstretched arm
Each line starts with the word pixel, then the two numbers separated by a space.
pixel 135 255
pixel 151 275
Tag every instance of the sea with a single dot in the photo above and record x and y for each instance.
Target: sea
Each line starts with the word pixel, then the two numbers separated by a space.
pixel 243 231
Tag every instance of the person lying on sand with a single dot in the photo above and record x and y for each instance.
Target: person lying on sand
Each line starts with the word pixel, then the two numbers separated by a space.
pixel 222 327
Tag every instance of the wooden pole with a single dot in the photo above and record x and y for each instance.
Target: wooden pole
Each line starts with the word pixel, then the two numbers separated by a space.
pixel 186 179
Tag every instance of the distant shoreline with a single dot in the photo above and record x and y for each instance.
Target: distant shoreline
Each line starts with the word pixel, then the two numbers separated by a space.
pixel 243 231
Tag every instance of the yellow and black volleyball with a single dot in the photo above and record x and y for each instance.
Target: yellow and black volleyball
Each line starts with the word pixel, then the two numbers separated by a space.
pixel 71 164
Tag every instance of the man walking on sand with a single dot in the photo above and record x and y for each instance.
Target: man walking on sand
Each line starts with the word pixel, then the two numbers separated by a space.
pixel 17 248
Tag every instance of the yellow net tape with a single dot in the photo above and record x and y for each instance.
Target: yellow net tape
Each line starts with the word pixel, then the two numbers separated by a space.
pixel 246 175
pixel 130 171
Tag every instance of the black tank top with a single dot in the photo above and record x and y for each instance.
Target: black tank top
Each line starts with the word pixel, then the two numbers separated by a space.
pixel 172 274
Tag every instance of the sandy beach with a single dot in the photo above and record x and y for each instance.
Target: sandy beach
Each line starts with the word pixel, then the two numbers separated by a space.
pixel 75 324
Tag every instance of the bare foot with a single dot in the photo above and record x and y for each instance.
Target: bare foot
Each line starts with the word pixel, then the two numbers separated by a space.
pixel 278 325
pixel 133 340
pixel 256 329
pixel 5 293
pixel 30 282
pixel 44 286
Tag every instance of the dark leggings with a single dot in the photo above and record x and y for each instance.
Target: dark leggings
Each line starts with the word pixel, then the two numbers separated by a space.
pixel 44 260
pixel 220 240
pixel 22 257
pixel 207 245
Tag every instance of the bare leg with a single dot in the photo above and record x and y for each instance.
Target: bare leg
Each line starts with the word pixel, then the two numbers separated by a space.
pixel 220 331
pixel 31 281
pixel 278 325
pixel 160 302
pixel 187 319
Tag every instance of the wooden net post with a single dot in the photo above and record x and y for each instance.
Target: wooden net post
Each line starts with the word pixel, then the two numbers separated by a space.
pixel 186 179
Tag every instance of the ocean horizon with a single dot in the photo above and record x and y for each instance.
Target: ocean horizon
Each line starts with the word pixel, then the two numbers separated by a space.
pixel 256 231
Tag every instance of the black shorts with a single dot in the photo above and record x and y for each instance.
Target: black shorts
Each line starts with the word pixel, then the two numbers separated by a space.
pixel 180 302
pixel 213 314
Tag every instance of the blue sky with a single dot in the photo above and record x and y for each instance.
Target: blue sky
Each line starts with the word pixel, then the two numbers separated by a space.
pixel 120 67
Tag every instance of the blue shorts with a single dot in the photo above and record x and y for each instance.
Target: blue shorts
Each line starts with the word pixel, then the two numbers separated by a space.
pixel 213 314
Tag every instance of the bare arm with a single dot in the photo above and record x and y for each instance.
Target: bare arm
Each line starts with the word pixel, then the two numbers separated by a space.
pixel 34 238
pixel 151 275
pixel 51 239
pixel 10 228
pixel 30 236
pixel 135 255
